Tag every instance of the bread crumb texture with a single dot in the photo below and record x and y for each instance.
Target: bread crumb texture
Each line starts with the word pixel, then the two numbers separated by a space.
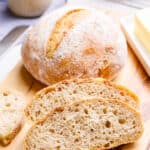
pixel 73 90
pixel 86 125
pixel 11 116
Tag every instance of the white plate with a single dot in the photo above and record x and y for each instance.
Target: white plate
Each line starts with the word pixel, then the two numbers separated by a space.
pixel 142 54
pixel 8 60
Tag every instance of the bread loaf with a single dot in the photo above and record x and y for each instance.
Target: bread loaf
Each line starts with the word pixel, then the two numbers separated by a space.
pixel 74 42
pixel 11 116
pixel 86 125
pixel 73 90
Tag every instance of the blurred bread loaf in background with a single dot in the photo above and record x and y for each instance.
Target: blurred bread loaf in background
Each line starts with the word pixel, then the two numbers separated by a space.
pixel 28 8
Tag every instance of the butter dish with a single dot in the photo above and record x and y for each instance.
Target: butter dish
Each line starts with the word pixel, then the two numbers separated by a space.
pixel 141 52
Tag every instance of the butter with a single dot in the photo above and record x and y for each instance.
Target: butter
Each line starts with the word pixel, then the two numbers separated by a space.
pixel 142 27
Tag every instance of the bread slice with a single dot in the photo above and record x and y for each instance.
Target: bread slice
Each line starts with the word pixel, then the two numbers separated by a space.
pixel 11 116
pixel 86 125
pixel 72 90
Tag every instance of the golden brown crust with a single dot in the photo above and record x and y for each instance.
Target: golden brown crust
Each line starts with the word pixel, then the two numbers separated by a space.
pixel 90 47
pixel 122 104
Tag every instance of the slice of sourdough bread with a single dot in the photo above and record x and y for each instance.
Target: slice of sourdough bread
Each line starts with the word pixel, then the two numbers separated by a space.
pixel 72 90
pixel 86 125
pixel 11 116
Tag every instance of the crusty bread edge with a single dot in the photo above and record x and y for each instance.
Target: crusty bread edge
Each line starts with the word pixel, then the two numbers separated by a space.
pixel 59 109
pixel 9 137
pixel 99 80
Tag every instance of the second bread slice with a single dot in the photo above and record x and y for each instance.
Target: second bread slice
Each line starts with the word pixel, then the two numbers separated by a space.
pixel 72 90
pixel 86 125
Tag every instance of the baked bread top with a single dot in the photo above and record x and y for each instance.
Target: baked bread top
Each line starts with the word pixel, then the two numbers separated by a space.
pixel 74 42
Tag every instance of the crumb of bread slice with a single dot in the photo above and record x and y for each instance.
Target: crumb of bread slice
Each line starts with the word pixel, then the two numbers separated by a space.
pixel 86 125
pixel 72 90
pixel 11 115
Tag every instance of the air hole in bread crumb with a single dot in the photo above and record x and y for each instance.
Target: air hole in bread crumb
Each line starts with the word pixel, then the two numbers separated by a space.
pixel 59 89
pixel 115 112
pixel 101 92
pixel 86 111
pixel 105 62
pixel 58 141
pixel 76 110
pixel 107 138
pixel 106 145
pixel 121 93
pixel 5 93
pixel 37 113
pixel 121 121
pixel 56 100
pixel 92 130
pixel 133 123
pixel 7 104
pixel 105 110
pixel 74 91
pixel 76 140
pixel 108 124
pixel 64 118
pixel 58 147
pixel 111 142
pixel 52 130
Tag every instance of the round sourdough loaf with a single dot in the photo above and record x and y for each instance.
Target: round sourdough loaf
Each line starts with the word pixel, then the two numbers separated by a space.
pixel 74 42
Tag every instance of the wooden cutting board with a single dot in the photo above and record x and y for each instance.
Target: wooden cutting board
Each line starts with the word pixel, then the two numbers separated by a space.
pixel 132 76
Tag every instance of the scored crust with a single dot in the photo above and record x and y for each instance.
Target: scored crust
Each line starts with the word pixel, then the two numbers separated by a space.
pixel 89 48
pixel 62 27
pixel 40 95
pixel 116 143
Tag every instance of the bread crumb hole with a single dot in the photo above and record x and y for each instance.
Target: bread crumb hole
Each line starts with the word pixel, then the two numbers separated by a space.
pixel 56 100
pixel 64 118
pixel 111 142
pixel 86 111
pixel 133 123
pixel 52 130
pixel 115 112
pixel 7 104
pixel 121 93
pixel 106 145
pixel 74 91
pixel 121 121
pixel 76 110
pixel 37 113
pixel 105 62
pixel 58 147
pixel 108 124
pixel 5 94
pixel 59 89
pixel 105 110
pixel 76 140
pixel 92 130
